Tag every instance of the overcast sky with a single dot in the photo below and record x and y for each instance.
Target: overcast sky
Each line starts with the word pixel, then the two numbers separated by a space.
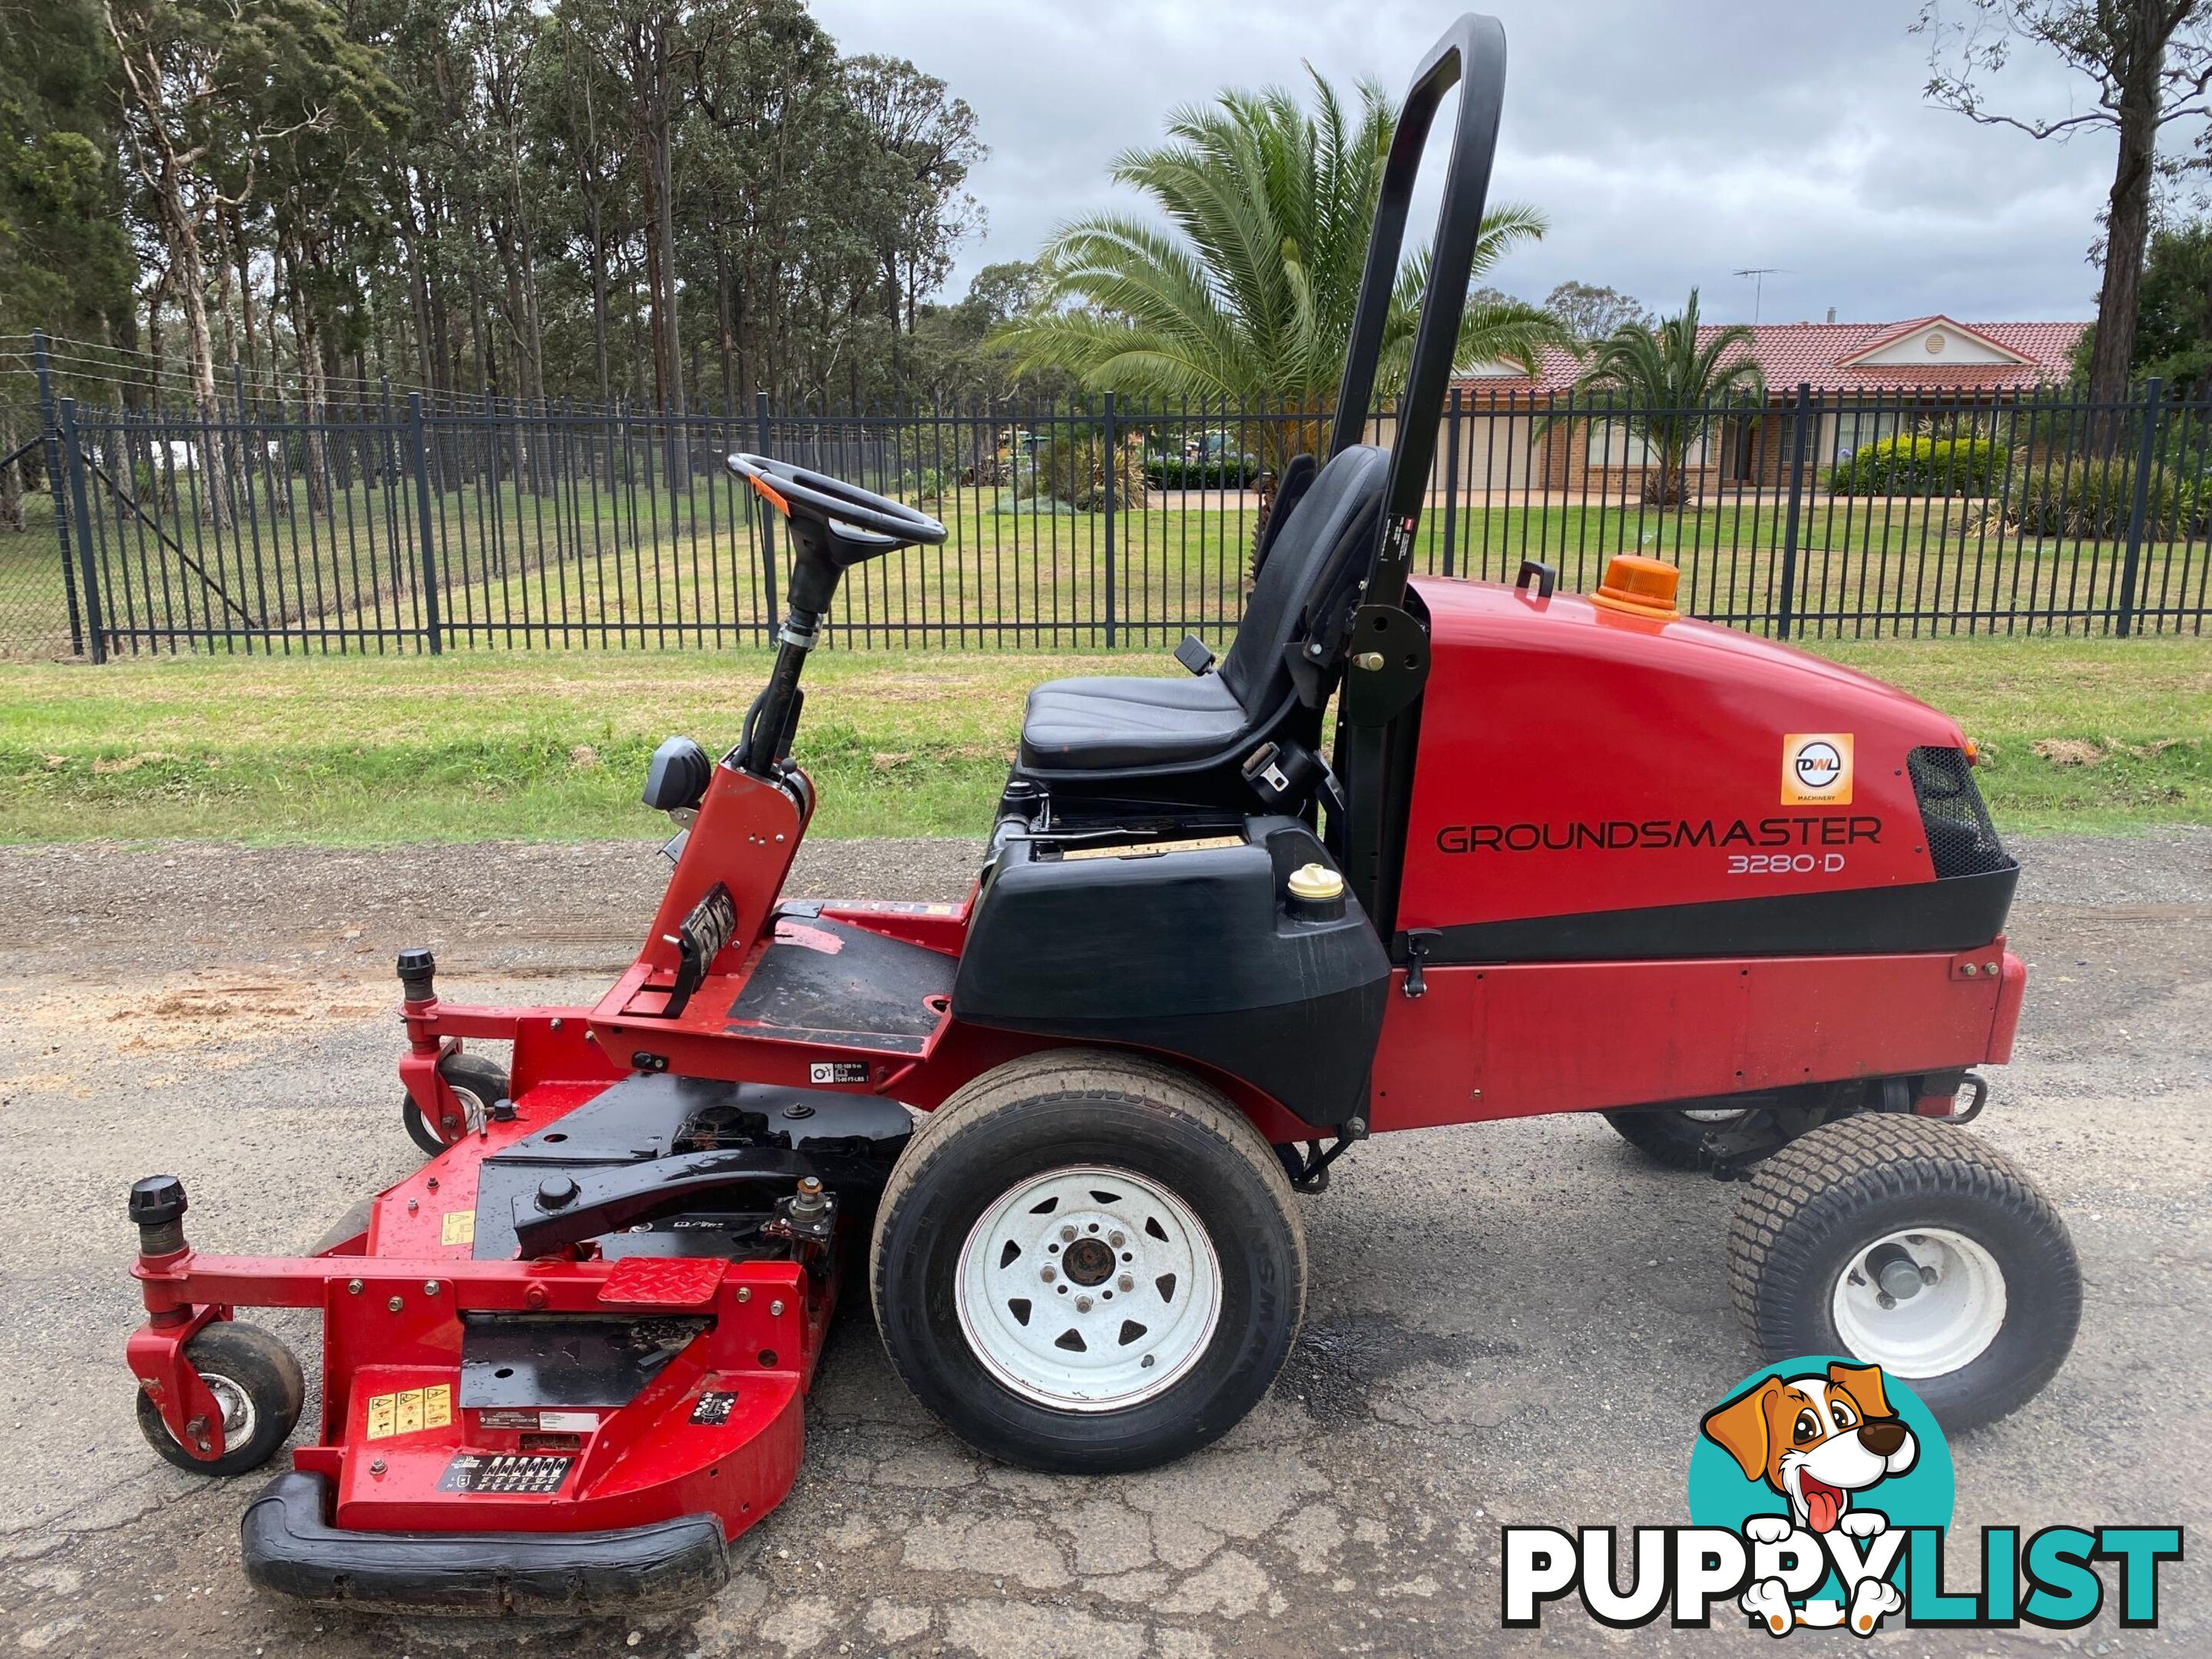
pixel 1669 143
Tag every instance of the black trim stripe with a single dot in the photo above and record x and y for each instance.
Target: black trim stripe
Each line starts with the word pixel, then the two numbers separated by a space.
pixel 1958 913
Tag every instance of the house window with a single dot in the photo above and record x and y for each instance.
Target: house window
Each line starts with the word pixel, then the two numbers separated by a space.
pixel 1615 443
pixel 1857 427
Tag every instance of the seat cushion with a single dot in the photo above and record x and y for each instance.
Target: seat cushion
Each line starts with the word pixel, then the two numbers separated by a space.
pixel 1109 722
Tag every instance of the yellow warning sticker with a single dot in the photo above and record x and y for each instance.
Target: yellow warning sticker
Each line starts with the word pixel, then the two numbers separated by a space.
pixel 410 1410
pixel 459 1227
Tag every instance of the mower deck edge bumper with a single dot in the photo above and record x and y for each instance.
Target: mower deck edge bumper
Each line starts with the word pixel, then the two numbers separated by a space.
pixel 290 1549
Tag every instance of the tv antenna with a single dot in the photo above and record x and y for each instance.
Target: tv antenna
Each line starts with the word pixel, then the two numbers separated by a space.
pixel 1759 274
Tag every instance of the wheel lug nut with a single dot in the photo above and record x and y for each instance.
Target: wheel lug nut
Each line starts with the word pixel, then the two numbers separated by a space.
pixel 1115 1239
pixel 1125 1283
pixel 1049 1276
pixel 1083 1305
pixel 1928 1275
pixel 1067 1235
pixel 1884 1299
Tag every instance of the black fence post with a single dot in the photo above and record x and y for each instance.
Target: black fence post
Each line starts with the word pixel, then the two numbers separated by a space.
pixel 418 441
pixel 1451 480
pixel 1786 615
pixel 1111 465
pixel 767 523
pixel 2145 456
pixel 43 366
pixel 73 448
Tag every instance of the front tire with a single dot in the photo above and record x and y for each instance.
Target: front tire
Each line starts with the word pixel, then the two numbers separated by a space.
pixel 476 1083
pixel 256 1381
pixel 1010 1309
pixel 1908 1244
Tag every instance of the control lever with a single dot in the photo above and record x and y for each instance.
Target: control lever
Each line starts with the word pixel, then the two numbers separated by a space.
pixel 1419 941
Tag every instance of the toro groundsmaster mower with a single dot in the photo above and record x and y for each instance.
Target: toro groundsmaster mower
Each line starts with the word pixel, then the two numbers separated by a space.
pixel 1560 854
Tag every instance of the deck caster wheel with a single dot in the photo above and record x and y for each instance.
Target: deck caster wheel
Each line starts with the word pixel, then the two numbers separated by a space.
pixel 1671 1135
pixel 1909 1245
pixel 256 1381
pixel 1086 1263
pixel 475 1082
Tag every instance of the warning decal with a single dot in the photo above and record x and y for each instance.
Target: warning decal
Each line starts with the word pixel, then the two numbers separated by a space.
pixel 503 1472
pixel 410 1411
pixel 458 1227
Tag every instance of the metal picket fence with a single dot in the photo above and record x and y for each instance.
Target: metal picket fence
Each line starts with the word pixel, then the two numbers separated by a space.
pixel 399 523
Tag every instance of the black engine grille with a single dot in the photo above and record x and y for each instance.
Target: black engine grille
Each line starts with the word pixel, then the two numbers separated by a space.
pixel 1961 840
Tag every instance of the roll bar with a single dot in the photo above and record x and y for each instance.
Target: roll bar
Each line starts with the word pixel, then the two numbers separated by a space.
pixel 1471 55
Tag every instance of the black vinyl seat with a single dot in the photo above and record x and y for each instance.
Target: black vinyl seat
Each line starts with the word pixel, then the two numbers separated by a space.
pixel 1123 720
pixel 1076 730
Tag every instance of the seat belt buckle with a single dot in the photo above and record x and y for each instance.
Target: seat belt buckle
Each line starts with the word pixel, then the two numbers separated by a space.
pixel 1282 774
pixel 1195 655
pixel 1264 767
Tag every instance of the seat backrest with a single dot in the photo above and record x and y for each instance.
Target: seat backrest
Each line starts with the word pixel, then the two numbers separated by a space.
pixel 1331 524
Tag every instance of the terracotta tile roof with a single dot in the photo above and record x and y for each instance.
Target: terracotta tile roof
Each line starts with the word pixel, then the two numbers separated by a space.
pixel 1818 354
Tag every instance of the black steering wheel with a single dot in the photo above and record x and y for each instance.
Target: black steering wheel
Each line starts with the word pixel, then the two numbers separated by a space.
pixel 849 523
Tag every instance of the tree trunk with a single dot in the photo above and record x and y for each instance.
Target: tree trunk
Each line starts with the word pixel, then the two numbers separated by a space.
pixel 679 469
pixel 244 261
pixel 11 486
pixel 599 307
pixel 2127 223
pixel 190 268
pixel 307 338
pixel 722 325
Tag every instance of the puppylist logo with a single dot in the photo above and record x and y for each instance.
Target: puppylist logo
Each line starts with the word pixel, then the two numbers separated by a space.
pixel 1821 1495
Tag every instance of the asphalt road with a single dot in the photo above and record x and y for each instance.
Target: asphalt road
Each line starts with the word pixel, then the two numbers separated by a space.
pixel 1515 1323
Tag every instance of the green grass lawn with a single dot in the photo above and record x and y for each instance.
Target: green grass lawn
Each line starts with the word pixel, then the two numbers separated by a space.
pixel 2097 735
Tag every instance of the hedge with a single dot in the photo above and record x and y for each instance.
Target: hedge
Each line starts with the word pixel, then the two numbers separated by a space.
pixel 2095 498
pixel 1220 472
pixel 1921 466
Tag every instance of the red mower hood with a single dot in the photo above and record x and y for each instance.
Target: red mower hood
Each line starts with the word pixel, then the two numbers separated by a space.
pixel 1473 614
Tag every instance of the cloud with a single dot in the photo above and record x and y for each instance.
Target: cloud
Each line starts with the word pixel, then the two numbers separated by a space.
pixel 1669 144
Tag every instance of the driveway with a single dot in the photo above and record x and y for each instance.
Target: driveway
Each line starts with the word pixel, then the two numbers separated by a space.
pixel 1518 1323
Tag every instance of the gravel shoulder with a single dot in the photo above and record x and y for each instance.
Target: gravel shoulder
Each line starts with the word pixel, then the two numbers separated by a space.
pixel 1508 1323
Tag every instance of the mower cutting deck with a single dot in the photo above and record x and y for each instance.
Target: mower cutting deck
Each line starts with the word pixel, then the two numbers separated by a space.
pixel 1564 854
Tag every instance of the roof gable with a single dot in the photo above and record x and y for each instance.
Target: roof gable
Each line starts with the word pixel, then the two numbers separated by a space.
pixel 1936 341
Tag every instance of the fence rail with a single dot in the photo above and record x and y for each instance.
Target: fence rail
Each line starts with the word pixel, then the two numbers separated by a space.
pixel 388 526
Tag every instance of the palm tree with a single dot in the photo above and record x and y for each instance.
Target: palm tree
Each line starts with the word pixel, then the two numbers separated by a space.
pixel 1671 384
pixel 1249 297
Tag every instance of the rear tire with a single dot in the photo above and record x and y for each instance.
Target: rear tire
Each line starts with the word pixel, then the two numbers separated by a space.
pixel 1671 1135
pixel 476 1081
pixel 996 1314
pixel 257 1382
pixel 1833 1223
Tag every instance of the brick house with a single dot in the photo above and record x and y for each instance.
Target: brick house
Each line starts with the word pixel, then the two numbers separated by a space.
pixel 1868 381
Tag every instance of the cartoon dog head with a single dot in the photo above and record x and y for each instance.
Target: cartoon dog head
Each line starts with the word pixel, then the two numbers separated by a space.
pixel 1816 1439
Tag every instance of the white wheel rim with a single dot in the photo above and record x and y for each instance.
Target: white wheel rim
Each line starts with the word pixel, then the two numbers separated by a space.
pixel 239 1416
pixel 1114 1324
pixel 1712 1113
pixel 1948 1322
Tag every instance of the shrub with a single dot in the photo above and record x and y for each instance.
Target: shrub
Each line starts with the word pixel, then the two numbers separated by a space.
pixel 1212 473
pixel 1921 466
pixel 2078 496
pixel 1073 467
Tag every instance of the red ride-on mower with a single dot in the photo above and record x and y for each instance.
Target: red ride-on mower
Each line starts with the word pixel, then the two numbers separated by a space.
pixel 1566 854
